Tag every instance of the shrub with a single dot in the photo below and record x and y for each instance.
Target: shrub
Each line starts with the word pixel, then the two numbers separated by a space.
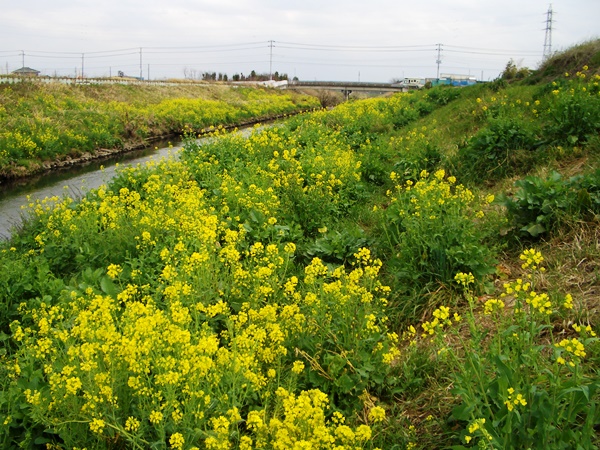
pixel 500 149
pixel 574 110
pixel 442 95
pixel 432 227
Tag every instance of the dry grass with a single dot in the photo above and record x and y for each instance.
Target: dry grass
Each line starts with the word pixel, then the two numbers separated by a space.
pixel 575 263
pixel 570 60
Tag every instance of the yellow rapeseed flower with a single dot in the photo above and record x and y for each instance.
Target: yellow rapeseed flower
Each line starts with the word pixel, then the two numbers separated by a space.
pixel 114 270
pixel 176 440
pixel 97 425
pixel 298 367
pixel 377 414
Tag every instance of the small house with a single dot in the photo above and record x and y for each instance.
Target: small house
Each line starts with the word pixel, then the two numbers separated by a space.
pixel 26 72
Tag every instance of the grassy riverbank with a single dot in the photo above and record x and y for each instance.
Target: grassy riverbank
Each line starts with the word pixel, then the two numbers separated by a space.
pixel 419 271
pixel 41 123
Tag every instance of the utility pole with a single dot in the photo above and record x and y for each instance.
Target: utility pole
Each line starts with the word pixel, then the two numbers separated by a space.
pixel 22 58
pixel 270 60
pixel 548 38
pixel 439 59
pixel 148 72
pixel 141 73
pixel 82 65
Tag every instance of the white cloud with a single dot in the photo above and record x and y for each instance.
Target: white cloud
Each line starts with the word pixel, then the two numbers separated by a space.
pixel 469 30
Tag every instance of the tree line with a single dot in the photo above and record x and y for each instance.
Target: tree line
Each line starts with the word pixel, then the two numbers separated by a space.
pixel 193 74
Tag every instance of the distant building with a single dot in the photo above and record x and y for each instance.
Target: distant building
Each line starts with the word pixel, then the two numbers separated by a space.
pixel 26 72
pixel 409 83
pixel 454 80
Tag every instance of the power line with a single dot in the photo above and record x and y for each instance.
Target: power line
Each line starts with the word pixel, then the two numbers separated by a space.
pixel 491 49
pixel 383 56
pixel 354 46
pixel 493 53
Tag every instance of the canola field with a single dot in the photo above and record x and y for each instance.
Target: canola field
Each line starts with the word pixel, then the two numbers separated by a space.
pixel 47 122
pixel 323 284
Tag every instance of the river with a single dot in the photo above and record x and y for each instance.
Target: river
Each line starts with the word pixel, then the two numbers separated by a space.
pixel 75 181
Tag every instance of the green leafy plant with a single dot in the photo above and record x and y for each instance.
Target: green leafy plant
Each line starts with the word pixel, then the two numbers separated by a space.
pixel 337 246
pixel 541 205
pixel 503 147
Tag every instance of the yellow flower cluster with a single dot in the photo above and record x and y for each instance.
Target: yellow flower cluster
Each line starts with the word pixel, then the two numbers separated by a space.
pixel 304 426
pixel 587 330
pixel 441 319
pixel 571 352
pixel 522 291
pixel 477 427
pixel 492 305
pixel 377 414
pixel 531 259
pixel 568 303
pixel 516 401
pixel 539 302
pixel 464 279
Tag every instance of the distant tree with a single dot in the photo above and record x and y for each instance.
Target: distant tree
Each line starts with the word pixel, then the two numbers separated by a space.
pixel 513 72
pixel 224 77
pixel 236 77
pixel 209 76
pixel 252 75
pixel 510 71
pixel 190 74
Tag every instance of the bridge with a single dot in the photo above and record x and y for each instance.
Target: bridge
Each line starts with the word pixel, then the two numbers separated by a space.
pixel 347 87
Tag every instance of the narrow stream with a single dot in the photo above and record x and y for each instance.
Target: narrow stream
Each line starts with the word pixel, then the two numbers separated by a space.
pixel 75 181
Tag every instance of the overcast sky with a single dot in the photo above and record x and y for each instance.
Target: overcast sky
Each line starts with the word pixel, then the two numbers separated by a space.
pixel 349 40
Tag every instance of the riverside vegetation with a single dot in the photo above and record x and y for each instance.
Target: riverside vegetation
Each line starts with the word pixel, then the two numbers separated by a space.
pixel 41 123
pixel 418 271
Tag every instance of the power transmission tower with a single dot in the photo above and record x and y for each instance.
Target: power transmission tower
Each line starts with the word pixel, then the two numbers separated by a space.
pixel 439 59
pixel 548 38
